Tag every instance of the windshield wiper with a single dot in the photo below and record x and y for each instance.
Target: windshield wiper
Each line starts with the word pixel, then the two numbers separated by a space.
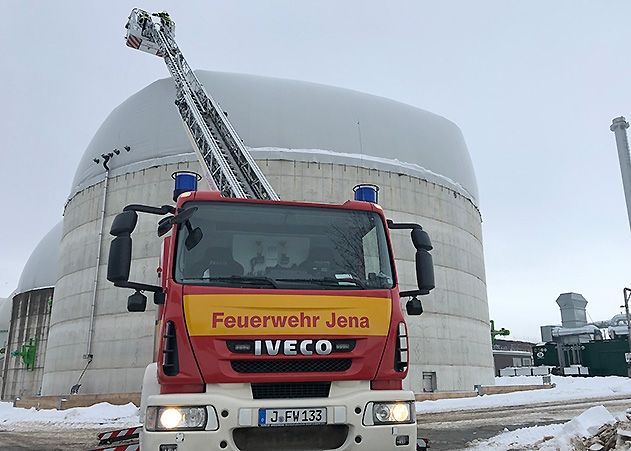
pixel 330 282
pixel 248 280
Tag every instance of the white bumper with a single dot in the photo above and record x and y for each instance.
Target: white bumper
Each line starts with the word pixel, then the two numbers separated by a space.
pixel 236 428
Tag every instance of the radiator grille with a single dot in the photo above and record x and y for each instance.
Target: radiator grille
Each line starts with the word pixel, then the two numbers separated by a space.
pixel 291 390
pixel 291 366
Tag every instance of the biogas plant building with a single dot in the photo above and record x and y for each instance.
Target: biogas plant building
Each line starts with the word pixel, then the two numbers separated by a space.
pixel 314 143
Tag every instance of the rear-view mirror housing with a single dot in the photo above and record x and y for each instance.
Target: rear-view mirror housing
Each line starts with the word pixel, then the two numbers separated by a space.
pixel 119 262
pixel 124 223
pixel 414 307
pixel 421 240
pixel 137 302
pixel 424 271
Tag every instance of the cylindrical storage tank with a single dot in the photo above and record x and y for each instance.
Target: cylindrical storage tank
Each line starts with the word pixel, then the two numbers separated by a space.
pixel 30 310
pixel 5 320
pixel 314 143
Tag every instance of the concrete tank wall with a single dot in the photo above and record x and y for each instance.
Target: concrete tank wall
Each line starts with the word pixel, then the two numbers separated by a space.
pixel 122 342
pixel 450 340
pixel 5 321
pixel 30 317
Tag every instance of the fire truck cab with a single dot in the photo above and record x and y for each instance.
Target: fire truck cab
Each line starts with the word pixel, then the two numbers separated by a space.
pixel 280 325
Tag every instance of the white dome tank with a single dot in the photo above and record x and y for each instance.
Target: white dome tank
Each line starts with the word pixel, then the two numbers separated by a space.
pixel 27 313
pixel 40 270
pixel 306 138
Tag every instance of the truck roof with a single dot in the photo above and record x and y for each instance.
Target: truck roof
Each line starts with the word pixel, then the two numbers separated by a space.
pixel 215 196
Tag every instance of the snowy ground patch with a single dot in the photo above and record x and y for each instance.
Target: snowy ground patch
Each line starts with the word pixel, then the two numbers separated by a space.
pixel 553 437
pixel 102 414
pixel 567 389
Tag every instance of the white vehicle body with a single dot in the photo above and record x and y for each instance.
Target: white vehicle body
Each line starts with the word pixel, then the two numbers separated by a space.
pixel 233 421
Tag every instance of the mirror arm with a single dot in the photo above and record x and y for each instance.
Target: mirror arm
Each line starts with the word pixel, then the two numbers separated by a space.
pixel 139 286
pixel 402 225
pixel 163 210
pixel 410 294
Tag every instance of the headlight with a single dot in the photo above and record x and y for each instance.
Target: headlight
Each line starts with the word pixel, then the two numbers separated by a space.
pixel 175 418
pixel 392 412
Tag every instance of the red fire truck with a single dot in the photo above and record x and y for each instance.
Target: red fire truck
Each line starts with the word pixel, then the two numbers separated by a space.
pixel 280 323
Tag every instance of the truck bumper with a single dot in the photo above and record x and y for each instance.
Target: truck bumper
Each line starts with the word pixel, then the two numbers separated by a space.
pixel 349 409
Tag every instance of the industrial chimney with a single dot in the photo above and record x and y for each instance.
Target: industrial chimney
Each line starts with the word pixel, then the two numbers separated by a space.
pixel 619 126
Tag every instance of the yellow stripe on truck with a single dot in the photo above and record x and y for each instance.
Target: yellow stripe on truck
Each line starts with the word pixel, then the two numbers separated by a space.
pixel 268 314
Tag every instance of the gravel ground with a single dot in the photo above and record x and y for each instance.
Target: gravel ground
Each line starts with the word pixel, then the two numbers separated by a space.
pixel 50 438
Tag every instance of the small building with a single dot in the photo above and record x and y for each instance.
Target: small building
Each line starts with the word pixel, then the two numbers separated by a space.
pixel 511 353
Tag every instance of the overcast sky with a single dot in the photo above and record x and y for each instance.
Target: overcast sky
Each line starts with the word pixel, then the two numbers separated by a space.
pixel 532 84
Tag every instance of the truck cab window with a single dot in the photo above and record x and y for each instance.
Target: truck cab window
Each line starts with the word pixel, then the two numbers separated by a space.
pixel 298 248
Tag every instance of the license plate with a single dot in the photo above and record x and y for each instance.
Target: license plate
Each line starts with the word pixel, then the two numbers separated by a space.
pixel 292 417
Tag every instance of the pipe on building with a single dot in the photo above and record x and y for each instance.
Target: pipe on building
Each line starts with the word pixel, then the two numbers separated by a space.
pixel 616 320
pixel 626 292
pixel 88 351
pixel 573 331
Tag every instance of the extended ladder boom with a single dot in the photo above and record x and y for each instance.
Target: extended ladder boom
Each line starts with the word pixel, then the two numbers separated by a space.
pixel 226 163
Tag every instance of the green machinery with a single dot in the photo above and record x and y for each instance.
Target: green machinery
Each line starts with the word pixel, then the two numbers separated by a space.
pixel 494 333
pixel 28 352
pixel 602 357
pixel 545 354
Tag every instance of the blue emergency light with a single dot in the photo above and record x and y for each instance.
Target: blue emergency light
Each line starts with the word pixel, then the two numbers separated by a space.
pixel 185 181
pixel 366 192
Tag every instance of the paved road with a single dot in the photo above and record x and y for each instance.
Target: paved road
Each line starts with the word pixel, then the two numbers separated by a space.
pixel 49 438
pixel 451 431
pixel 448 431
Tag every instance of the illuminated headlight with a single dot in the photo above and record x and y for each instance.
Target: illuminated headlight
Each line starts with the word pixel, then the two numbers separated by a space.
pixel 392 412
pixel 175 418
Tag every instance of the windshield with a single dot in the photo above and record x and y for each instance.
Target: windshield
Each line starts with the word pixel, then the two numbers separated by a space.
pixel 279 246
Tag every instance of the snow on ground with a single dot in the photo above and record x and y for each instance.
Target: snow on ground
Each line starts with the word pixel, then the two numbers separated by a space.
pixel 102 414
pixel 549 438
pixel 567 389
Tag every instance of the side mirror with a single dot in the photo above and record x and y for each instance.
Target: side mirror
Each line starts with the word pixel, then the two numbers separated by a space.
pixel 165 225
pixel 159 297
pixel 424 271
pixel 194 237
pixel 414 306
pixel 119 262
pixel 421 240
pixel 124 223
pixel 423 259
pixel 137 302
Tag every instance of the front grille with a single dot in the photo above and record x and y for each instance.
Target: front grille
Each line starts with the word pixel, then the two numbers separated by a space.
pixel 295 438
pixel 291 366
pixel 291 390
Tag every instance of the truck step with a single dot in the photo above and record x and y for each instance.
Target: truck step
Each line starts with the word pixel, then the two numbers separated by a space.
pixel 105 438
pixel 113 440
